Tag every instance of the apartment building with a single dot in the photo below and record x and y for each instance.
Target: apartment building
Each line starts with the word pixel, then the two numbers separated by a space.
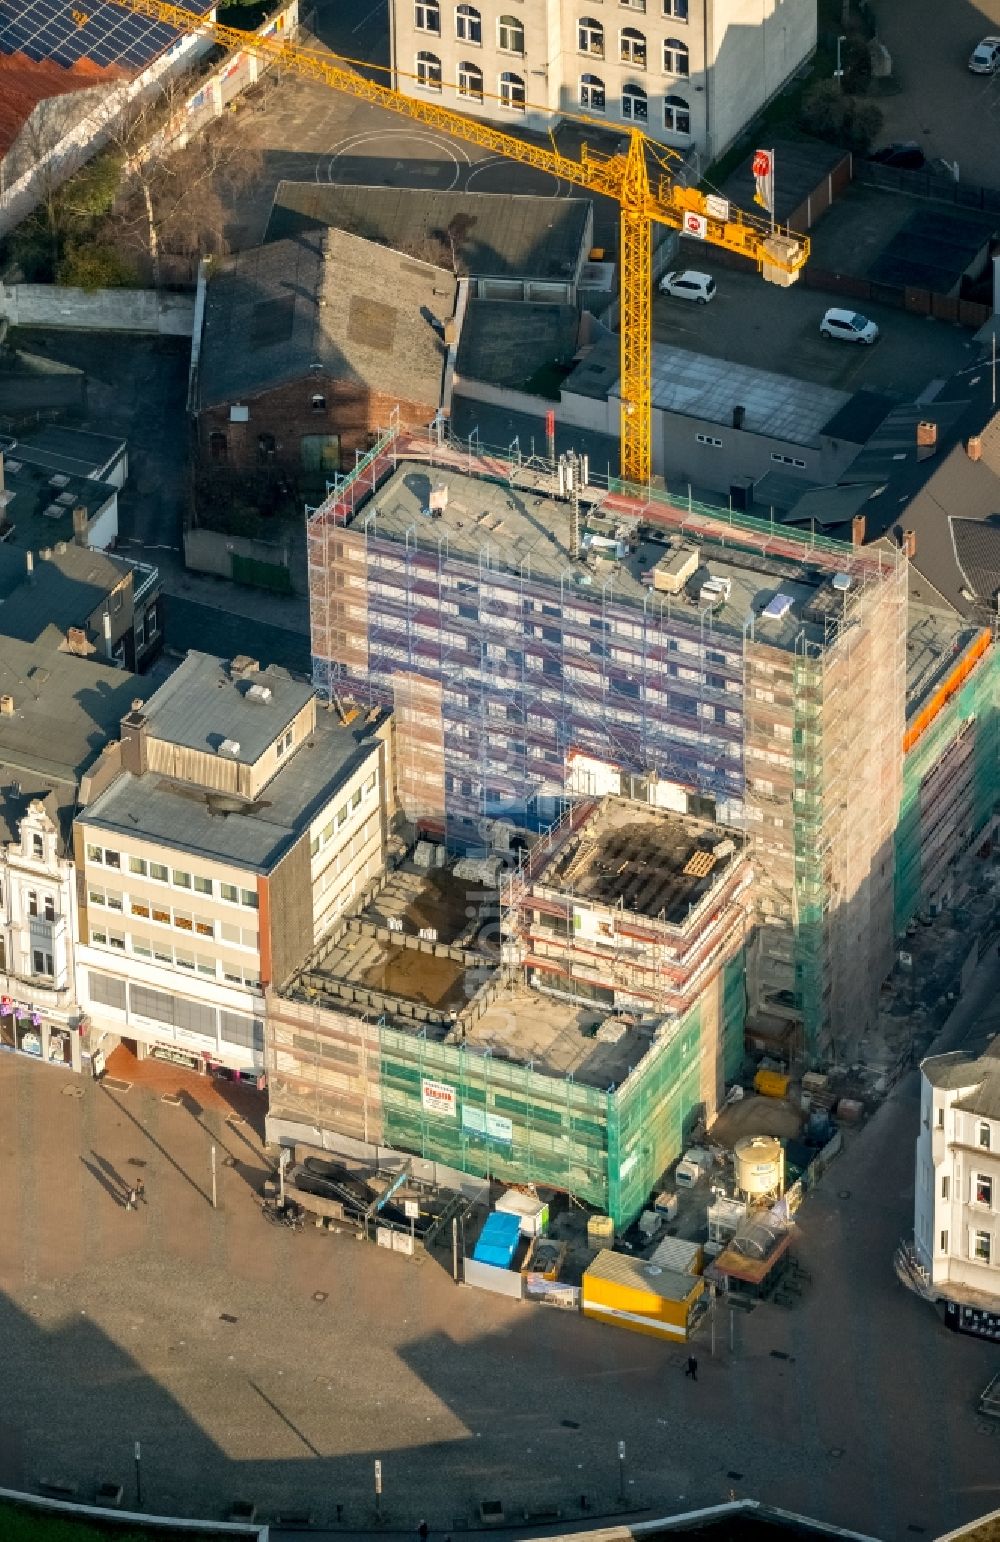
pixel 55 710
pixel 956 1213
pixel 690 73
pixel 222 835
pixel 536 649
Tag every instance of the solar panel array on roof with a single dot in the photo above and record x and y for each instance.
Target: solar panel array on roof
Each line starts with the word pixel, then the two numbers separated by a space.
pixel 110 35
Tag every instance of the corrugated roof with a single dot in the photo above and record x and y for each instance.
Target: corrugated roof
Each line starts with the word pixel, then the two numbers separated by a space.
pixel 640 1274
pixel 494 235
pixel 329 304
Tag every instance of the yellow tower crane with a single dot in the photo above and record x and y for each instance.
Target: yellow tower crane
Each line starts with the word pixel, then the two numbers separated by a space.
pixel 623 177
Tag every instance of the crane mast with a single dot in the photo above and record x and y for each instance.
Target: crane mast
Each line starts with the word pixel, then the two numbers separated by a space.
pixel 624 177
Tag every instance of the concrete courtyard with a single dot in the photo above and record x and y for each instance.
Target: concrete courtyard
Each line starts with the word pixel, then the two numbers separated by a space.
pixel 255 1363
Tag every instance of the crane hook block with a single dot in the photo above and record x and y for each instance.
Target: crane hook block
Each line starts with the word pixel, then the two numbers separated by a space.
pixel 781 259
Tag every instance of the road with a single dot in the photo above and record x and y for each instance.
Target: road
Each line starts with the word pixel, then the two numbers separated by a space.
pixel 253 1363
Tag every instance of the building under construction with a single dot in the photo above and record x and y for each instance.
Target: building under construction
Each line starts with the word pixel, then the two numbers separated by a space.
pixel 538 644
pixel 578 1054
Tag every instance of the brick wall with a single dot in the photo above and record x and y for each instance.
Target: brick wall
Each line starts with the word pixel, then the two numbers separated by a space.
pixel 287 414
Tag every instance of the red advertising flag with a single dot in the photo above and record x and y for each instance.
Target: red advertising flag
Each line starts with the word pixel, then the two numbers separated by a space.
pixel 763 171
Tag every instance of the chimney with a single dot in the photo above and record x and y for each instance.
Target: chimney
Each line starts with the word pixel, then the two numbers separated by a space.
pixel 910 544
pixel 29 563
pixel 133 740
pixel 926 438
pixel 108 645
pixel 974 447
pixel 80 523
pixel 6 706
pixel 739 416
pixel 858 524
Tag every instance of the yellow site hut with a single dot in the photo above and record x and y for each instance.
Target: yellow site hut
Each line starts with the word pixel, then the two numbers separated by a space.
pixel 639 1294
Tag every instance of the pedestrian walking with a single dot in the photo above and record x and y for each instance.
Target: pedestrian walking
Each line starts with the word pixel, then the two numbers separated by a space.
pixel 423 1531
pixel 692 1368
pixel 140 1191
pixel 131 1202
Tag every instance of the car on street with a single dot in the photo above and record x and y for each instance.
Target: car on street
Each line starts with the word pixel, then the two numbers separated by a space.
pixel 985 57
pixel 689 285
pixel 847 326
pixel 906 155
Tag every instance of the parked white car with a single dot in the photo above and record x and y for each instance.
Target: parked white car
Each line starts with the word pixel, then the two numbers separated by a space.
pixel 689 285
pixel 985 57
pixel 848 326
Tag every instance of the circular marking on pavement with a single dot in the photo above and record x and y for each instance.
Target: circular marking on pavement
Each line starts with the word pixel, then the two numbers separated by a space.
pixel 560 188
pixel 454 153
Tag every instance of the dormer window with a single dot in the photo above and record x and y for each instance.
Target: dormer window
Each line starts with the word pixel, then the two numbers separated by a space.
pixel 983 1135
pixel 38 847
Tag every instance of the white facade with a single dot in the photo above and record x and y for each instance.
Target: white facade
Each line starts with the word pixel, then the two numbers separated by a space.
pixel 956 1221
pixel 690 73
pixel 38 1010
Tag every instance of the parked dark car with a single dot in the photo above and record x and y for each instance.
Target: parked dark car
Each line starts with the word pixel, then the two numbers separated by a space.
pixel 905 156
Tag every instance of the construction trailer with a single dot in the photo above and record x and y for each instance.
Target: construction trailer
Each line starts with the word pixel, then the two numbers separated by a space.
pixel 531 656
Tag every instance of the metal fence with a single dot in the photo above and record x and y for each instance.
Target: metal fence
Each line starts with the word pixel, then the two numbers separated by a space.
pixel 933 185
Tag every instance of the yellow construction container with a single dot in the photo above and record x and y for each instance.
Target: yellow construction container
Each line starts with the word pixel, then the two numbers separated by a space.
pixel 771 1084
pixel 637 1294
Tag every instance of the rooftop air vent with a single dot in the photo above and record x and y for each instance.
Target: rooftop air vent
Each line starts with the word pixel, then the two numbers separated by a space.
pixel 230 747
pixel 261 693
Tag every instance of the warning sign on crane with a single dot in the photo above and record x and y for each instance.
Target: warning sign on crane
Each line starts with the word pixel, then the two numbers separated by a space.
pixel 695 225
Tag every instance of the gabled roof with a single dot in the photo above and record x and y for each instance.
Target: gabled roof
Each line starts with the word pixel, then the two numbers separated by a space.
pixel 325 304
pixel 950 500
pixel 494 235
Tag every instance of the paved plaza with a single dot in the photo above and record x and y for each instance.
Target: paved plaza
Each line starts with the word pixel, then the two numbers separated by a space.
pixel 255 1363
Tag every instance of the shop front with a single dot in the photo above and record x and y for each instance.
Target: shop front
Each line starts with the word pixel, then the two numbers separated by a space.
pixel 28 1029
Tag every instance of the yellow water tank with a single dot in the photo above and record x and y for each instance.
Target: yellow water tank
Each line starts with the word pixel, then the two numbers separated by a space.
pixel 771 1084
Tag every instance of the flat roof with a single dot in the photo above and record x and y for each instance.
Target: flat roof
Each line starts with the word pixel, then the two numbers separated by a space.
pixel 75 451
pixel 529 531
pixel 206 700
pixel 696 385
pixel 507 343
pixel 252 835
pixel 40 501
pixel 556 1037
pixel 936 638
pixel 642 1274
pixel 646 861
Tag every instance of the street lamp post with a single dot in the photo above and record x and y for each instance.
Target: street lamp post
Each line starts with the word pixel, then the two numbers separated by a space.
pixel 838 73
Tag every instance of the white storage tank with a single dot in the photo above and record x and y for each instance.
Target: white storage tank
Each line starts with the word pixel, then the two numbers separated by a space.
pixel 760 1165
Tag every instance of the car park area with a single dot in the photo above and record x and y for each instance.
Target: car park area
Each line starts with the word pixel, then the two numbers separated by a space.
pixel 754 323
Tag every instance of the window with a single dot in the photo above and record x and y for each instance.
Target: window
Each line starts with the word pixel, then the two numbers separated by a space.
pixel 981 1241
pixel 183 959
pixel 470 81
pixel 204 927
pixel 675 57
pixel 468 24
pixel 944 1242
pixel 99 936
pixel 32 903
pixel 677 115
pixel 786 460
pixel 318 400
pixel 590 37
pixel 284 744
pixel 183 921
pixel 248 897
pixel 940 1118
pixel 50 908
pixel 37 847
pixel 106 991
pixel 678 9
pixel 205 965
pixel 356 798
pixel 41 963
pixel 95 854
pixel 982 1191
pixel 230 892
pixel 510 35
pixel 709 439
pixel 115 901
pixel 138 865
pixel 163 953
pixel 112 858
pixel 983 1135
pixel 117 940
pixel 158 871
pixel 592 93
pixel 634 104
pixel 512 91
pixel 632 47
pixel 266 448
pixel 633 5
pixel 427 16
pixel 945 1188
pixel 181 880
pixel 161 916
pixel 245 1031
pixel 96 896
pixel 218 446
pixel 151 626
pixel 141 948
pixel 203 885
pixel 370 784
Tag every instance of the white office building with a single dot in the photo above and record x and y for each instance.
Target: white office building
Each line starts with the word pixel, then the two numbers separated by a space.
pixel 691 73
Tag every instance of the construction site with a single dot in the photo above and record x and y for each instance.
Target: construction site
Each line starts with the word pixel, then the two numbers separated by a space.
pixel 576 1045
pixel 541 637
